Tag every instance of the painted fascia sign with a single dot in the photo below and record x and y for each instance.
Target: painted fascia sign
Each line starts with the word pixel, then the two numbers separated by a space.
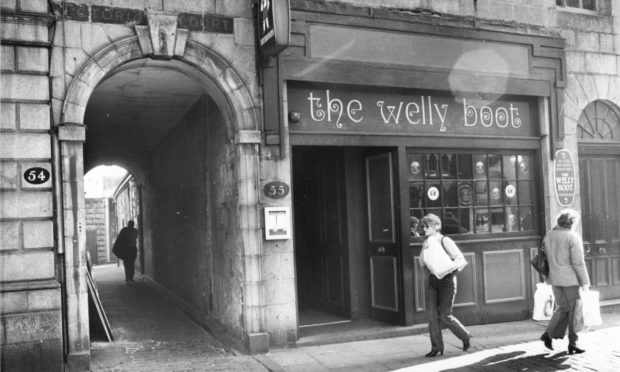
pixel 564 178
pixel 274 24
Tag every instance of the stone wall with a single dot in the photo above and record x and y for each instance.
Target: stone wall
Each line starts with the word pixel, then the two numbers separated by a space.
pixel 182 220
pixel 30 306
pixel 592 66
pixel 97 221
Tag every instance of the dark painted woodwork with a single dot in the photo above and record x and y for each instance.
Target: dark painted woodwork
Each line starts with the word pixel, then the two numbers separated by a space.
pixel 547 60
pixel 384 250
pixel 321 248
pixel 600 202
pixel 271 101
pixel 482 311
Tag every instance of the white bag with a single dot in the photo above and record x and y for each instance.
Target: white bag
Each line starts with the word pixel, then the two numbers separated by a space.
pixel 544 302
pixel 437 260
pixel 591 309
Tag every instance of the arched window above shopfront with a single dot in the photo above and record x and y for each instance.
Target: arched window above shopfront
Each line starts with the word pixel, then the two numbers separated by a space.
pixel 599 121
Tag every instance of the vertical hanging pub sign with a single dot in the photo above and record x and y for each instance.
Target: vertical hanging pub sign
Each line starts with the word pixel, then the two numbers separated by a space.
pixel 274 24
pixel 564 177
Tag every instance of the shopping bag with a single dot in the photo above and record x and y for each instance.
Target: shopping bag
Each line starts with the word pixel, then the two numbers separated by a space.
pixel 437 260
pixel 544 302
pixel 578 316
pixel 591 308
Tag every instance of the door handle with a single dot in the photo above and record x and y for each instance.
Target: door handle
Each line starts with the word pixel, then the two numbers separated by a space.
pixel 588 249
pixel 381 250
pixel 602 250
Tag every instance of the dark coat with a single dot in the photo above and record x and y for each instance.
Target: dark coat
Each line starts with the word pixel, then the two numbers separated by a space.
pixel 125 246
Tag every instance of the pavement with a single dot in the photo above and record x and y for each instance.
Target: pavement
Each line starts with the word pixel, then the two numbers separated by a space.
pixel 151 334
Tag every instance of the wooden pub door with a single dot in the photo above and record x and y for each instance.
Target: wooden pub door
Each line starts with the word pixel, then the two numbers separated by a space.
pixel 600 206
pixel 321 249
pixel 383 247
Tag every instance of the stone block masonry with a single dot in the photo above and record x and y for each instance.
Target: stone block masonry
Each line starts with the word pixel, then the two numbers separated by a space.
pixel 30 295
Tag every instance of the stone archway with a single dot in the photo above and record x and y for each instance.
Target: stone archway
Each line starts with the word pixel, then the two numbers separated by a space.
pixel 234 100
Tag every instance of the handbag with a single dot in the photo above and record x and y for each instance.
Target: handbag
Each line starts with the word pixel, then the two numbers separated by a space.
pixel 540 262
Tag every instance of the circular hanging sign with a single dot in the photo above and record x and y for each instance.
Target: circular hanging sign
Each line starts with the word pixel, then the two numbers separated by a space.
pixel 36 175
pixel 564 177
pixel 510 191
pixel 276 189
pixel 433 193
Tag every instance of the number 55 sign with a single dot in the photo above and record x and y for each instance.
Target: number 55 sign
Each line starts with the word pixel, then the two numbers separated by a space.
pixel 276 190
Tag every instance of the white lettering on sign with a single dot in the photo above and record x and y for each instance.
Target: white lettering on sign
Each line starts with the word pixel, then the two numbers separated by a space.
pixel 265 6
pixel 422 110
pixel 488 117
pixel 334 106
pixel 564 175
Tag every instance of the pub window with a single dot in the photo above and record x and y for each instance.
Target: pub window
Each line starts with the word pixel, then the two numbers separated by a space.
pixel 579 4
pixel 472 193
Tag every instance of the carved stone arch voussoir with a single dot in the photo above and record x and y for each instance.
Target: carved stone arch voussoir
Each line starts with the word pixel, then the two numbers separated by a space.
pixel 216 68
pixel 228 80
pixel 92 73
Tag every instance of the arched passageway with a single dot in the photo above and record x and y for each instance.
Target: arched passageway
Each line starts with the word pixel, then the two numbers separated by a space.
pixel 159 120
pixel 179 126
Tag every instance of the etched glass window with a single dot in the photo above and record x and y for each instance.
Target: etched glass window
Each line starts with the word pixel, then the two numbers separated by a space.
pixel 472 193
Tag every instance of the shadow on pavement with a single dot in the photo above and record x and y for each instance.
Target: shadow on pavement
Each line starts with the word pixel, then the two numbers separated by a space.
pixel 507 362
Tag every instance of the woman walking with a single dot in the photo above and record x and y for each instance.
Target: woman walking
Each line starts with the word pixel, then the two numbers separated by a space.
pixel 441 284
pixel 567 273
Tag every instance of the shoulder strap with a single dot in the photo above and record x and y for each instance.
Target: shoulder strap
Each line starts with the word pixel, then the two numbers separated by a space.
pixel 444 248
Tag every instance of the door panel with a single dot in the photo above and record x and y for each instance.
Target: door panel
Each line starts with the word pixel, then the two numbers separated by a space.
pixel 382 238
pixel 320 229
pixel 600 202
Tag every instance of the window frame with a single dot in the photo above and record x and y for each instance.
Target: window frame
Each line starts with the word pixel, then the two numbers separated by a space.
pixel 580 8
pixel 440 180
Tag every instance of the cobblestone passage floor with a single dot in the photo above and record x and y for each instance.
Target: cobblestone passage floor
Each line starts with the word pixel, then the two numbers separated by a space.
pixel 151 334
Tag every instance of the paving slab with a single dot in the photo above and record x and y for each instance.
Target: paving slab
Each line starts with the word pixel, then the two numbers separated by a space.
pixel 152 335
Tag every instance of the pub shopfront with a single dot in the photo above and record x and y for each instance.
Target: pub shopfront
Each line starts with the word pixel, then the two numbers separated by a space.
pixel 389 118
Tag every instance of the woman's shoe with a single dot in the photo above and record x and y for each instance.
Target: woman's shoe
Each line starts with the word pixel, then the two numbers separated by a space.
pixel 575 350
pixel 433 353
pixel 466 343
pixel 547 340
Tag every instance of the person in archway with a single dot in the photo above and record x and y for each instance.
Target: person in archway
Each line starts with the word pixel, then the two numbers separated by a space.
pixel 126 248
